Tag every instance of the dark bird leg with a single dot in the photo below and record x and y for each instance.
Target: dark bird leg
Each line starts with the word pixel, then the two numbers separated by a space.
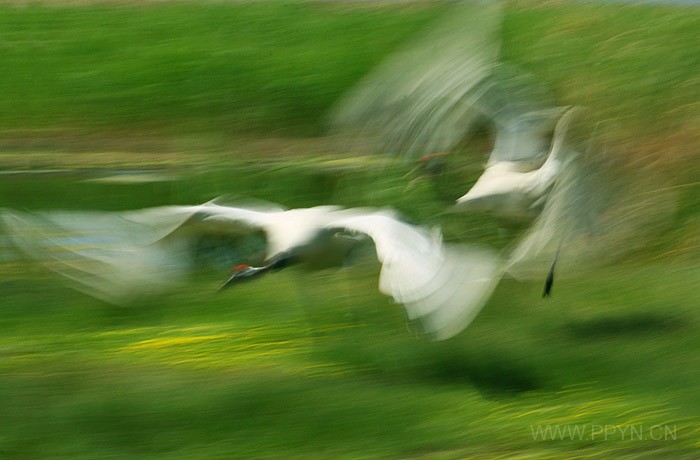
pixel 549 281
pixel 550 276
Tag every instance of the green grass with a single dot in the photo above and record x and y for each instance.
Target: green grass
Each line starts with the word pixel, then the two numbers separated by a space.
pixel 272 371
pixel 320 365
pixel 225 68
pixel 631 66
pixel 210 67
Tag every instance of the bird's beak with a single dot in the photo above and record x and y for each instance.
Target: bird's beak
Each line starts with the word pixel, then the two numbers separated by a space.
pixel 241 275
pixel 234 278
pixel 228 282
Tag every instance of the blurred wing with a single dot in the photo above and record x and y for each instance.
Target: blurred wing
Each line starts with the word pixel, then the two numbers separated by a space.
pixel 569 219
pixel 593 214
pixel 423 98
pixel 120 257
pixel 428 97
pixel 524 138
pixel 441 287
pixel 523 114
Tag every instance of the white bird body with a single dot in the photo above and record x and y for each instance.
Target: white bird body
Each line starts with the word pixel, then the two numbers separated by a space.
pixel 505 192
pixel 119 256
pixel 513 190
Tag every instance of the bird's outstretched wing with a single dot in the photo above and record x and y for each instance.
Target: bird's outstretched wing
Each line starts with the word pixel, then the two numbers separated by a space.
pixel 442 287
pixel 431 94
pixel 569 219
pixel 423 98
pixel 123 256
pixel 524 137
pixel 575 195
pixel 120 257
pixel 592 216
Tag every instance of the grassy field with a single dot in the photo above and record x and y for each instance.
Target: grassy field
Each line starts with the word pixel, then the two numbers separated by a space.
pixel 325 368
pixel 227 98
pixel 214 67
pixel 222 70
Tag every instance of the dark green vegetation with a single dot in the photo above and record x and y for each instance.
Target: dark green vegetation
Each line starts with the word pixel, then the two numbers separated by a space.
pixel 204 67
pixel 320 365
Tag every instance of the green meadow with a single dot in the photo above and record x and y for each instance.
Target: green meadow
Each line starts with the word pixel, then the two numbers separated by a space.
pixel 230 98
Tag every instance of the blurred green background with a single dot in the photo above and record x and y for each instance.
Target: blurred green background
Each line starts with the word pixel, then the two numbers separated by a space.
pixel 230 98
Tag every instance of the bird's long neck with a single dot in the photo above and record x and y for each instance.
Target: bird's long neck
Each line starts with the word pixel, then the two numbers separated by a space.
pixel 281 260
pixel 559 137
pixel 557 153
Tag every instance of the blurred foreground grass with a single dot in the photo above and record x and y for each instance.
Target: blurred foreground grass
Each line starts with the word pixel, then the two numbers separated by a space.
pixel 220 97
pixel 320 365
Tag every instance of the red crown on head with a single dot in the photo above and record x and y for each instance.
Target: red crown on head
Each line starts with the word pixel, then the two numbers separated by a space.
pixel 240 267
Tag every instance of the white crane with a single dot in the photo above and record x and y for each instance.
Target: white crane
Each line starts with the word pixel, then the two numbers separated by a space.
pixel 429 96
pixel 562 201
pixel 119 256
